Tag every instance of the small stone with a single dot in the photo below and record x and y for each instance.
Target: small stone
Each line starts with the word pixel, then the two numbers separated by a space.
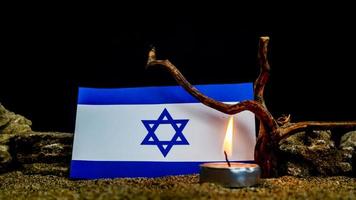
pixel 345 166
pixel 293 144
pixel 297 169
pixel 348 140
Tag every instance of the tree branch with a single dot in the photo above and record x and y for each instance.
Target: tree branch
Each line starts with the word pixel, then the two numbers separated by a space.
pixel 271 131
pixel 263 77
pixel 260 111
pixel 287 130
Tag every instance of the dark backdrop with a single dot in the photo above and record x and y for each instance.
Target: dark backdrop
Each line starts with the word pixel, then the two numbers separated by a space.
pixel 47 55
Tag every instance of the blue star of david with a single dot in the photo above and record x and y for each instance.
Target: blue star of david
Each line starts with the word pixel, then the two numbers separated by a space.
pixel 165 146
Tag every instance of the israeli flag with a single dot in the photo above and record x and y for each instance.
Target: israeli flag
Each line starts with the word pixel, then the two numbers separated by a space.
pixel 156 131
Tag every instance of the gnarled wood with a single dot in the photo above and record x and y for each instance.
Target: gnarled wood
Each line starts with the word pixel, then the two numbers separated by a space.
pixel 290 129
pixel 259 110
pixel 262 79
pixel 271 131
pixel 265 154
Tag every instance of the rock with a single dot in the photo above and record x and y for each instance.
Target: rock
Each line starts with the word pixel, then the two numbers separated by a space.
pixel 297 169
pixel 348 144
pixel 11 123
pixel 5 157
pixel 348 141
pixel 34 152
pixel 39 147
pixel 58 169
pixel 313 153
pixel 4 119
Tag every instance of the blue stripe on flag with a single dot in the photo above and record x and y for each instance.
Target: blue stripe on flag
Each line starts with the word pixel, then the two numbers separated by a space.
pixel 164 94
pixel 115 169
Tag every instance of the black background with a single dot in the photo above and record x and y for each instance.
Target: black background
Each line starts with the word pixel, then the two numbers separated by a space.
pixel 48 53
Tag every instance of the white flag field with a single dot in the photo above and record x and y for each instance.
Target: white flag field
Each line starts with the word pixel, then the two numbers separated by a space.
pixel 156 131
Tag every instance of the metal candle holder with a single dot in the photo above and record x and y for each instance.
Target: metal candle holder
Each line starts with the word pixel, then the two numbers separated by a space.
pixel 235 175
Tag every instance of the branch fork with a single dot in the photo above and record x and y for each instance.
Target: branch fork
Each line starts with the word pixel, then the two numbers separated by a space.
pixel 271 131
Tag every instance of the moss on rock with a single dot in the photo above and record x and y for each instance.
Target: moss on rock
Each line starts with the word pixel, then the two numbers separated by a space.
pixel 313 153
pixel 11 123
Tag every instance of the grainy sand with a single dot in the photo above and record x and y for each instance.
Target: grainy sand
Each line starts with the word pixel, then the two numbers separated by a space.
pixel 16 185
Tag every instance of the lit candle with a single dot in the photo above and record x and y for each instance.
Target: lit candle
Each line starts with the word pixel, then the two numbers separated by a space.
pixel 228 140
pixel 230 174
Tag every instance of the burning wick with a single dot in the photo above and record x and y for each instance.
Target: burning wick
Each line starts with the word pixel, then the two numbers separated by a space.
pixel 227 160
pixel 228 140
pixel 234 174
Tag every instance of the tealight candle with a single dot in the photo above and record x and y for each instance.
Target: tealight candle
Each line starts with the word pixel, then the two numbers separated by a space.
pixel 235 175
pixel 230 174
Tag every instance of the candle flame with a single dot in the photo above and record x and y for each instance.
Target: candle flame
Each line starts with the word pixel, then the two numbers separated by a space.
pixel 228 137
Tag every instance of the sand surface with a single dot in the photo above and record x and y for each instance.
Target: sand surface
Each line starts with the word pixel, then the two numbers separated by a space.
pixel 16 185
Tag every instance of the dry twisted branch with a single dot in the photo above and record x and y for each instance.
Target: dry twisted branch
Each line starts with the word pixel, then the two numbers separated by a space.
pixel 271 131
pixel 253 106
